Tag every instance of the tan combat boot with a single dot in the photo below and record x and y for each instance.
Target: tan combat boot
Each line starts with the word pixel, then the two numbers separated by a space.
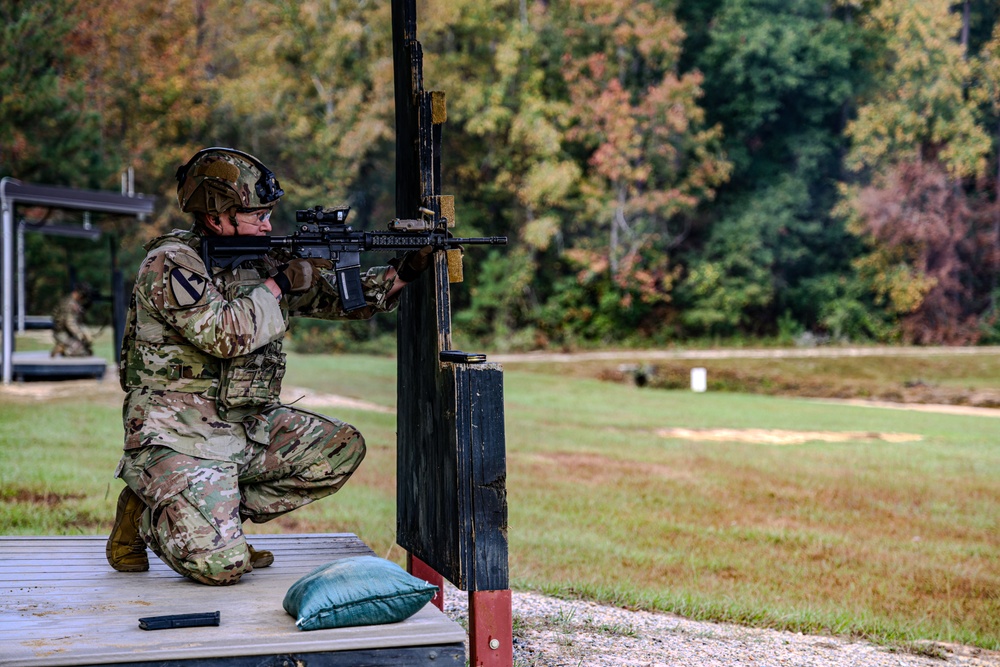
pixel 260 558
pixel 126 551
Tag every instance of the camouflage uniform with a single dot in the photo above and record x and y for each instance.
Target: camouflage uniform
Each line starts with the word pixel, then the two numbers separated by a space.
pixel 67 329
pixel 207 445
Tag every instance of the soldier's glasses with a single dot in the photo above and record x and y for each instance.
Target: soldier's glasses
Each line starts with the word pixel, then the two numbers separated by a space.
pixel 263 214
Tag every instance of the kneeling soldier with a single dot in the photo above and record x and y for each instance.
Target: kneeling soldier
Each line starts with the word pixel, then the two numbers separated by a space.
pixel 207 444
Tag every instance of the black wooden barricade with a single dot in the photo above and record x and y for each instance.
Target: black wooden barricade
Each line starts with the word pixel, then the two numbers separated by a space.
pixel 482 478
pixel 451 466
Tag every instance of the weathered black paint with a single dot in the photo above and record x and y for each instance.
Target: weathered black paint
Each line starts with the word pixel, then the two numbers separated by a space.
pixel 451 470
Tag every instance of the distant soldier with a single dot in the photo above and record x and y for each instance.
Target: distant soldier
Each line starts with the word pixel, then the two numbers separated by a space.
pixel 208 445
pixel 67 324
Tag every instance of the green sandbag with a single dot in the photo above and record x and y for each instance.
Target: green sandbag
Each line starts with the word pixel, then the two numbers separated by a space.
pixel 360 590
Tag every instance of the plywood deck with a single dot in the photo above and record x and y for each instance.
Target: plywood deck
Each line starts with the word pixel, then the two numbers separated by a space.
pixel 38 365
pixel 61 604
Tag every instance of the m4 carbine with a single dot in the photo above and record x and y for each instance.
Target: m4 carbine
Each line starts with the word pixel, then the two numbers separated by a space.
pixel 323 233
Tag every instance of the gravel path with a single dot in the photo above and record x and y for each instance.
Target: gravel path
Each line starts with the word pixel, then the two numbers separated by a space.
pixel 743 353
pixel 549 632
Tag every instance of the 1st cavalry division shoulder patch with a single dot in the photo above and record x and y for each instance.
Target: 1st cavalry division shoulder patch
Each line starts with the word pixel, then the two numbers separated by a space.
pixel 186 286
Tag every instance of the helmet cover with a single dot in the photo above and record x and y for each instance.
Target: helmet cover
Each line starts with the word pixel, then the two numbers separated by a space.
pixel 218 179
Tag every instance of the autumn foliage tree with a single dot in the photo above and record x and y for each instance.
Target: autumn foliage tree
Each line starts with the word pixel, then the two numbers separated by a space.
pixel 504 141
pixel 147 72
pixel 920 151
pixel 309 86
pixel 584 140
pixel 987 93
pixel 48 132
pixel 779 76
pixel 927 237
pixel 89 90
pixel 650 158
pixel 664 168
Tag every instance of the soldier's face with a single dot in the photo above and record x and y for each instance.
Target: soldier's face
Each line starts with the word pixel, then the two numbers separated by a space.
pixel 253 221
pixel 248 222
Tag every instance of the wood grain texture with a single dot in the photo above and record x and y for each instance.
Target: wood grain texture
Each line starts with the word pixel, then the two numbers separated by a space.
pixel 61 604
pixel 482 475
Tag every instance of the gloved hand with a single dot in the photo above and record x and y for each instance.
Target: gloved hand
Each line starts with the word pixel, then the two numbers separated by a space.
pixel 299 275
pixel 412 264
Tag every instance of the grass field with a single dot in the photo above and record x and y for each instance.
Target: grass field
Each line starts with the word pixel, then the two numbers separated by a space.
pixel 891 534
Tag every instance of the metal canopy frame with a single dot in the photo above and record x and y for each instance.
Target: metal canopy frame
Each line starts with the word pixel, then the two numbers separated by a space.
pixel 14 193
pixel 70 231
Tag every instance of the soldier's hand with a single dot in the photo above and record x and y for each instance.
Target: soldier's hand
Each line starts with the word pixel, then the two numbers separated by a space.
pixel 413 263
pixel 299 275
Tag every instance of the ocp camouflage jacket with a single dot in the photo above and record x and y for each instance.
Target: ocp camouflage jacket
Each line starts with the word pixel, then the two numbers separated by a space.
pixel 201 355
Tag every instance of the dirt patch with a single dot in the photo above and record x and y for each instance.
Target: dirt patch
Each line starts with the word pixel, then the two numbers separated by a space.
pixel 47 391
pixel 599 469
pixel 109 389
pixel 770 436
pixel 48 498
pixel 967 410
pixel 310 397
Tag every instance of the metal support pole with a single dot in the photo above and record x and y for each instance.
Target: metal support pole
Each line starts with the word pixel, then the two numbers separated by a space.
pixel 20 277
pixel 422 570
pixel 491 635
pixel 118 304
pixel 7 263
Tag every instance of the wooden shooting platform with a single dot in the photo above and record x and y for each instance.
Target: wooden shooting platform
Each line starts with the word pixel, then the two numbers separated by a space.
pixel 61 604
pixel 38 365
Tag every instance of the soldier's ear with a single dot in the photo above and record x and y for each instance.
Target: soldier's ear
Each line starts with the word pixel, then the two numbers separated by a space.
pixel 212 223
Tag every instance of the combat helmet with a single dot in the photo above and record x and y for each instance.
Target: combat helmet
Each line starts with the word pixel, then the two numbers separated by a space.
pixel 85 293
pixel 217 179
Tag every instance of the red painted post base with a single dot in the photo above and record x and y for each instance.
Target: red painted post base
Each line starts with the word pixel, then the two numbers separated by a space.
pixel 422 570
pixel 491 638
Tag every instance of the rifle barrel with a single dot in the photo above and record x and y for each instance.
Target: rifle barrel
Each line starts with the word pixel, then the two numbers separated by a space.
pixel 481 240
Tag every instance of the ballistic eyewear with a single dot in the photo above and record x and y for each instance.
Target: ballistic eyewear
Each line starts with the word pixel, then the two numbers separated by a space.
pixel 262 214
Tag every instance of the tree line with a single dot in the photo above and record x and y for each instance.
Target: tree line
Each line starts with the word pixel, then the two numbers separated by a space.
pixel 665 169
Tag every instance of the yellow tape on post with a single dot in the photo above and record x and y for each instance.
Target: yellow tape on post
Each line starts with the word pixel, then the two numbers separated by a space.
pixel 439 109
pixel 446 205
pixel 455 271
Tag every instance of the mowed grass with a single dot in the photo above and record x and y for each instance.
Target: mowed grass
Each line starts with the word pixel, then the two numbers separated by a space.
pixel 893 541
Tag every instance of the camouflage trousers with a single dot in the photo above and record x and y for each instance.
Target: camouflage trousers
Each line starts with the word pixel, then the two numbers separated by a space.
pixel 68 345
pixel 196 507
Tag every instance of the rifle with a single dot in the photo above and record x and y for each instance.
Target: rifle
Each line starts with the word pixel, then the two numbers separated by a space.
pixel 324 234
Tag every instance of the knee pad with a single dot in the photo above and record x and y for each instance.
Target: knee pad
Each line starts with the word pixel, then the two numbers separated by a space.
pixel 221 567
pixel 189 542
